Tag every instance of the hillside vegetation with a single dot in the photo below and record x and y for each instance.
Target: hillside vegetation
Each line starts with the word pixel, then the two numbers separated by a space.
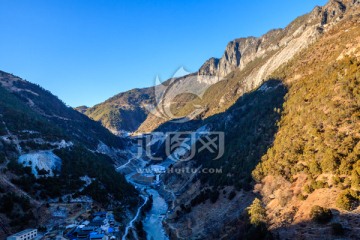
pixel 26 106
pixel 300 140
pixel 319 129
pixel 123 112
pixel 314 159
pixel 33 121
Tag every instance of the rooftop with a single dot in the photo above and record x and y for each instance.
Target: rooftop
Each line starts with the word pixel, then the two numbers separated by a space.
pixel 23 232
pixel 96 236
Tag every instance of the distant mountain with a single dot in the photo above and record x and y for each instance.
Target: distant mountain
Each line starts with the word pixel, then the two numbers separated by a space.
pixel 49 151
pixel 123 112
pixel 246 63
pixel 81 109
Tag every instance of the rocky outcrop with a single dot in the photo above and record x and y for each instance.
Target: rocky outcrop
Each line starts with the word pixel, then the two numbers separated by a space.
pixel 253 58
pixel 247 62
pixel 209 67
pixel 81 109
pixel 287 42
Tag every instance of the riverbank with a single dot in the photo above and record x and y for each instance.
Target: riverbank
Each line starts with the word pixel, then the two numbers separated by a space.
pixel 153 219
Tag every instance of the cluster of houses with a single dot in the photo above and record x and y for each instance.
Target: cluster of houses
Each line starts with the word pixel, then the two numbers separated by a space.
pixel 101 227
pixel 27 234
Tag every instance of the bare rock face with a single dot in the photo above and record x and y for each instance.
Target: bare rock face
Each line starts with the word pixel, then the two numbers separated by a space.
pixel 256 58
pixel 231 58
pixel 209 67
pixel 81 109
pixel 287 42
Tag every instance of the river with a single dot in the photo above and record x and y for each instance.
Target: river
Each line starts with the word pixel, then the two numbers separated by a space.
pixel 153 219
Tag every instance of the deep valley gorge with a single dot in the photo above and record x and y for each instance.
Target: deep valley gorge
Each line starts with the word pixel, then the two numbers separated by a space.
pixel 261 143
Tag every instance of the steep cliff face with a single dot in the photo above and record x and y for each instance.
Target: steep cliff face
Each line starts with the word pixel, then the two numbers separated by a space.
pixel 251 59
pixel 247 62
pixel 210 67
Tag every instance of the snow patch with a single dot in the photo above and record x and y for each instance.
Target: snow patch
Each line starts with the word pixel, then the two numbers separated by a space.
pixel 264 88
pixel 44 160
pixel 30 131
pixel 103 148
pixel 157 137
pixel 87 181
pixel 113 153
pixel 64 144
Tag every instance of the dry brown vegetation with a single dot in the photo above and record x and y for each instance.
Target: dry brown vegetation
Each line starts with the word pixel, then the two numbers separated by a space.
pixel 314 159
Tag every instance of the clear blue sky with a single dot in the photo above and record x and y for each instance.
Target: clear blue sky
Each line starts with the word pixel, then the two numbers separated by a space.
pixel 85 51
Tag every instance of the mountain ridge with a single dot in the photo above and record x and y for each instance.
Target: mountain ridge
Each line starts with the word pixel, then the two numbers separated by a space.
pixel 47 151
pixel 265 54
pixel 312 160
pixel 288 106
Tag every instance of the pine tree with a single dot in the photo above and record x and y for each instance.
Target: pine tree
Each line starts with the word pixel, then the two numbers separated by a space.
pixel 355 180
pixel 257 213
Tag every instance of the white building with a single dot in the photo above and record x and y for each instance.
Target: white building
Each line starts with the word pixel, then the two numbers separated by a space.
pixel 26 234
pixel 157 169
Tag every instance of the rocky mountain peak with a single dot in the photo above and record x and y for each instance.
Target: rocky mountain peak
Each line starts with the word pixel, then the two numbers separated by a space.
pixel 251 59
pixel 242 51
pixel 209 67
